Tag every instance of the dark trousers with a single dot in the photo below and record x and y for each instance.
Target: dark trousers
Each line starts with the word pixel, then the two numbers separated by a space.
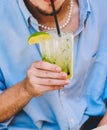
pixel 91 123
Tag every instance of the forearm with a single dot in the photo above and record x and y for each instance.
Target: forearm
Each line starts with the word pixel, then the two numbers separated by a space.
pixel 13 100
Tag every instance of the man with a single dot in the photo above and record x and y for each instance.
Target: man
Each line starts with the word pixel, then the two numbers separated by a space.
pixel 37 95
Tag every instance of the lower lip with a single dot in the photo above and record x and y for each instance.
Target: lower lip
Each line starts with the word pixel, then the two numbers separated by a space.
pixel 49 1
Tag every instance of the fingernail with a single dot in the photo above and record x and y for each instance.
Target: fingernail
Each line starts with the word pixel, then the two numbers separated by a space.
pixel 64 75
pixel 58 69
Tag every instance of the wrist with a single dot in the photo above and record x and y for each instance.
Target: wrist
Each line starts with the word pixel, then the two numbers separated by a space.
pixel 26 89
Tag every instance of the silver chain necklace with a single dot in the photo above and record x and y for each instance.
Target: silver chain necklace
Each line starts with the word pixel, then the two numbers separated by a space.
pixel 66 22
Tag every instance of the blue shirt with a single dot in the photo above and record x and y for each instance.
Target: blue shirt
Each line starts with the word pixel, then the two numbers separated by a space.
pixel 70 107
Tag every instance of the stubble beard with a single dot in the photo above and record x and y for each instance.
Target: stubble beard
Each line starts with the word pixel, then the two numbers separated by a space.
pixel 47 14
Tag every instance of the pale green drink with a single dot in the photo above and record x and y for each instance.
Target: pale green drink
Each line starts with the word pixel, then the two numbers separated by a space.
pixel 59 50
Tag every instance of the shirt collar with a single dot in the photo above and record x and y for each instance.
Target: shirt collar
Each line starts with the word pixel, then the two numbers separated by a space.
pixel 26 14
pixel 85 5
pixel 88 6
pixel 85 10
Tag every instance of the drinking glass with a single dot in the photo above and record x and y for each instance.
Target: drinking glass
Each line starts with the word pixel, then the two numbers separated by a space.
pixel 59 50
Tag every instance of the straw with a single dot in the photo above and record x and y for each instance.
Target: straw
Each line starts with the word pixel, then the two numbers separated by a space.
pixel 55 17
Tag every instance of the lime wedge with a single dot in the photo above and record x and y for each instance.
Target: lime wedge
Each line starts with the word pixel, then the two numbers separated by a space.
pixel 38 37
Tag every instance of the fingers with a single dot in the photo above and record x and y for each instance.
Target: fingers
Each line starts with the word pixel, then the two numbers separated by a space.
pixel 46 66
pixel 37 87
pixel 46 70
pixel 49 82
pixel 48 74
pixel 43 77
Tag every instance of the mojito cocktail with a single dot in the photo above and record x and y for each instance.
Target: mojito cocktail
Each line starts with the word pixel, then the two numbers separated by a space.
pixel 59 50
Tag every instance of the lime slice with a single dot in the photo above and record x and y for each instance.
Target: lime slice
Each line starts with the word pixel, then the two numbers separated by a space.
pixel 38 37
